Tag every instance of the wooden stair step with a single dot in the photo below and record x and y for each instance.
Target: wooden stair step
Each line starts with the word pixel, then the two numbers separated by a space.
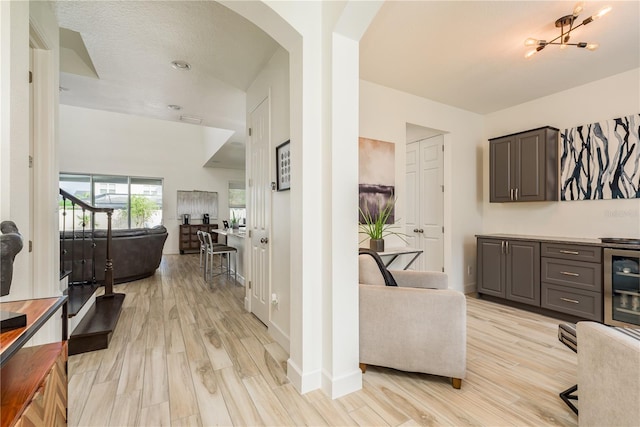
pixel 78 297
pixel 96 328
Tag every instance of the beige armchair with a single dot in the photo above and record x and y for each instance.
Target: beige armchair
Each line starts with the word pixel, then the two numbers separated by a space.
pixel 418 326
pixel 608 375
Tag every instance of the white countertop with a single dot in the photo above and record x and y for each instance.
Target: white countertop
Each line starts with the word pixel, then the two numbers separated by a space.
pixel 230 232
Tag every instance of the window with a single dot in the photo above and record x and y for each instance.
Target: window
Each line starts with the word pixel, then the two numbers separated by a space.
pixel 137 202
pixel 237 202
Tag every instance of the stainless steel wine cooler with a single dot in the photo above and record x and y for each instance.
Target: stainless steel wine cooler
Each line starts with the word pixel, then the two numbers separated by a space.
pixel 622 287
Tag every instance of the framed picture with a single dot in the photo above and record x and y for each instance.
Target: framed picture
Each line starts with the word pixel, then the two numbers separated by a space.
pixel 283 165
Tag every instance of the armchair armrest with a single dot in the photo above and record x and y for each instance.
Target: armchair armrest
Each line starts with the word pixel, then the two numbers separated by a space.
pixel 608 376
pixel 420 279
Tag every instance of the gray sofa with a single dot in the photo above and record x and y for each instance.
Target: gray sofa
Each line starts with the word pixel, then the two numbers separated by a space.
pixel 136 253
pixel 417 326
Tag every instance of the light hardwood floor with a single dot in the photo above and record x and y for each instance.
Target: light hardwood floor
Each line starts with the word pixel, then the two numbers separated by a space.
pixel 185 353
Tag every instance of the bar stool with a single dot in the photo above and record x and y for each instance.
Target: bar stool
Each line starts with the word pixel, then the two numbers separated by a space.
pixel 223 251
pixel 203 246
pixel 567 336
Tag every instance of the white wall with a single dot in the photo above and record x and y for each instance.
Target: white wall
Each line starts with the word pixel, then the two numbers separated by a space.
pixel 102 142
pixel 384 114
pixel 605 99
pixel 273 81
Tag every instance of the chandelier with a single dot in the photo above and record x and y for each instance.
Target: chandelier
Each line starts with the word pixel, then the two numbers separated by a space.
pixel 565 24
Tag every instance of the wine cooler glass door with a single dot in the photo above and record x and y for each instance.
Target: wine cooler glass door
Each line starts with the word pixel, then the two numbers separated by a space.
pixel 622 287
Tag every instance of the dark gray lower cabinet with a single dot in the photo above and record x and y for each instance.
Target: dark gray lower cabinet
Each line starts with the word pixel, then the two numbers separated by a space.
pixel 509 269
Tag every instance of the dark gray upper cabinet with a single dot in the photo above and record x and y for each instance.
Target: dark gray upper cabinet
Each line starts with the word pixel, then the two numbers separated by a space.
pixel 524 166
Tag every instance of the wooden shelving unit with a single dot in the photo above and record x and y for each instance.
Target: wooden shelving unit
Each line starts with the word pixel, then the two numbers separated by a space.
pixel 33 390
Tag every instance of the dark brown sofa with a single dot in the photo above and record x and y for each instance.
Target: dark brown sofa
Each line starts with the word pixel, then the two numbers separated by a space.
pixel 136 253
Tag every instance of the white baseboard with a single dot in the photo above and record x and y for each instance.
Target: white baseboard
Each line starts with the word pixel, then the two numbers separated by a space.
pixel 303 383
pixel 279 336
pixel 340 386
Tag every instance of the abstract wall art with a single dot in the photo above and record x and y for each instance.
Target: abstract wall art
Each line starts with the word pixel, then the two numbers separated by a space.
pixel 377 174
pixel 601 160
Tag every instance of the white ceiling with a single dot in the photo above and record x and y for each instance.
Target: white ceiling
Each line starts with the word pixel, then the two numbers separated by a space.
pixel 132 44
pixel 468 54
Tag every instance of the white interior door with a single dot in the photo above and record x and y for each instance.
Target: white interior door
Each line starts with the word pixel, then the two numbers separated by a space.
pixel 425 202
pixel 259 211
pixel 412 217
pixel 432 203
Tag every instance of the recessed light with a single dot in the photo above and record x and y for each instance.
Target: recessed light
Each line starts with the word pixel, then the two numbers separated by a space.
pixel 174 107
pixel 181 65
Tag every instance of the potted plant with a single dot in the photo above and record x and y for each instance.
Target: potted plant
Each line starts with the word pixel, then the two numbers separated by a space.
pixel 234 221
pixel 375 225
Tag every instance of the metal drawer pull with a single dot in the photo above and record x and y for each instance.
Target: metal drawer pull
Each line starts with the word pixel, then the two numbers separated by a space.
pixel 569 252
pixel 570 300
pixel 568 273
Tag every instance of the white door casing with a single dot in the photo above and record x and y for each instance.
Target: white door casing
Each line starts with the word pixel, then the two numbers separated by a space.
pixel 259 211
pixel 425 204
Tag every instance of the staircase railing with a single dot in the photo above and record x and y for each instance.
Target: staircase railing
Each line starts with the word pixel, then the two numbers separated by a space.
pixel 76 203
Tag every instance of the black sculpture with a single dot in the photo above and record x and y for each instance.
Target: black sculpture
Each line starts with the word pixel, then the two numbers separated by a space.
pixel 10 245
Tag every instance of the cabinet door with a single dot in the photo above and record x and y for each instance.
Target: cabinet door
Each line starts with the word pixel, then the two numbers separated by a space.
pixel 501 169
pixel 523 272
pixel 490 268
pixel 530 166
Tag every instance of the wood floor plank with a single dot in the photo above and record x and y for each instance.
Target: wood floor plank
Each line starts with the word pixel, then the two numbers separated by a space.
pixel 269 367
pixel 213 410
pixel 132 375
pixel 173 337
pixel 215 349
pixel 182 398
pixel 155 383
pixel 237 398
pixel 268 405
pixel 126 409
pixel 302 412
pixel 97 410
pixel 77 401
pixel 240 357
pixel 157 415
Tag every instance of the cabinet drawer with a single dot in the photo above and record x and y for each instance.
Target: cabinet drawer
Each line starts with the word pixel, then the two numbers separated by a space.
pixel 576 274
pixel 584 304
pixel 575 252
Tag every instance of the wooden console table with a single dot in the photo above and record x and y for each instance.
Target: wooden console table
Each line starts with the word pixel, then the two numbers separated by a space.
pixel 33 390
pixel 189 236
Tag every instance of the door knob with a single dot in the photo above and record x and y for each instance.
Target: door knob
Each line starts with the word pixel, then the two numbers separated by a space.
pixel 264 240
pixel 415 230
pixel 421 231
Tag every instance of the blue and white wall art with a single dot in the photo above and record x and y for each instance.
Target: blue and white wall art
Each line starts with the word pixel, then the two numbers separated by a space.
pixel 601 160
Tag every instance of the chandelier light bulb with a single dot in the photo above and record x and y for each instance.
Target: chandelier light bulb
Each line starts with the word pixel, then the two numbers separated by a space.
pixel 563 46
pixel 578 8
pixel 531 42
pixel 530 53
pixel 592 46
pixel 602 12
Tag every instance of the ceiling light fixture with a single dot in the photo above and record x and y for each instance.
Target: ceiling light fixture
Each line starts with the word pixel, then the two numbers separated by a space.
pixel 174 107
pixel 181 65
pixel 563 39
